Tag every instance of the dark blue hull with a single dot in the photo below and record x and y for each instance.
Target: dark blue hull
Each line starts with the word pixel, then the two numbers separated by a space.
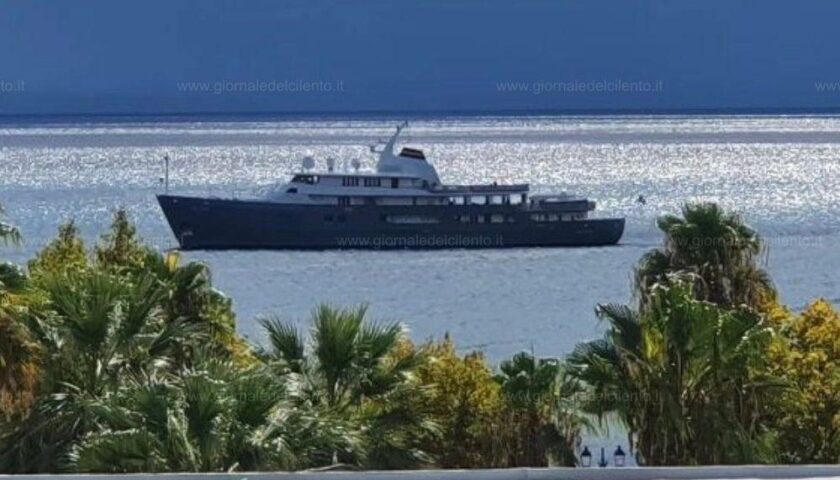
pixel 219 224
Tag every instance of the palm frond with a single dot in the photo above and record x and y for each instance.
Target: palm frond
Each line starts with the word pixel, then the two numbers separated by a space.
pixel 9 234
pixel 285 340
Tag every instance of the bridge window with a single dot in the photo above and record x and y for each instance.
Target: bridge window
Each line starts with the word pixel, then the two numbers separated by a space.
pixel 309 179
pixel 350 181
pixel 373 182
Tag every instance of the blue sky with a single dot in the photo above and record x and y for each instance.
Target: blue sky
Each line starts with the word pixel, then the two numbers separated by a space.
pixel 156 56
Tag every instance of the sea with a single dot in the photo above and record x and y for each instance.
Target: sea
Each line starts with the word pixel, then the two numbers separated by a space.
pixel 781 172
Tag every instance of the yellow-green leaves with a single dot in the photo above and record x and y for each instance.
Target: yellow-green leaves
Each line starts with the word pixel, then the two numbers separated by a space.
pixel 807 356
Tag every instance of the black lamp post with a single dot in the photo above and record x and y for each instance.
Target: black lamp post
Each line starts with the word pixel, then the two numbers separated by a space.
pixel 586 457
pixel 603 463
pixel 619 457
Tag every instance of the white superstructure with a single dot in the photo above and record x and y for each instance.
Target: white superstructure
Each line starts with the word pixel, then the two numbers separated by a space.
pixel 406 178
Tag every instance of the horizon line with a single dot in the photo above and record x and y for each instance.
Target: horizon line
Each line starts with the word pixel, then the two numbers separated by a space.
pixel 233 115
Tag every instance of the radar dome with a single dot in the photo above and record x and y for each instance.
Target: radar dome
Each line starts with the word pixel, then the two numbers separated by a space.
pixel 308 163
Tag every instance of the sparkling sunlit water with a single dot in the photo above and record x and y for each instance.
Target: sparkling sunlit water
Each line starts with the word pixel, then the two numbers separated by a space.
pixel 781 172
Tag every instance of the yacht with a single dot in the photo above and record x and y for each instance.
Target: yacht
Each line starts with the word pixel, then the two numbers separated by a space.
pixel 402 205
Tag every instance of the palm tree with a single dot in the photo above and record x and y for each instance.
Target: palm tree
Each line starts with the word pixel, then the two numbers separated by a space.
pixel 98 330
pixel 715 248
pixel 354 368
pixel 216 418
pixel 681 377
pixel 140 369
pixel 190 295
pixel 541 426
pixel 527 383
pixel 192 298
pixel 118 394
pixel 350 359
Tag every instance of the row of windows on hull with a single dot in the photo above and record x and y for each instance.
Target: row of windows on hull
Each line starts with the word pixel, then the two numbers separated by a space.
pixel 386 201
pixel 477 200
pixel 484 218
pixel 534 217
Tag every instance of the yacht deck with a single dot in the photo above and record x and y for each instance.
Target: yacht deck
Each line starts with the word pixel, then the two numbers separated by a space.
pixel 516 188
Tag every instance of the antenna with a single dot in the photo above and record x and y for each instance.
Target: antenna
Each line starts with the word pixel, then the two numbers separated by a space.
pixel 166 174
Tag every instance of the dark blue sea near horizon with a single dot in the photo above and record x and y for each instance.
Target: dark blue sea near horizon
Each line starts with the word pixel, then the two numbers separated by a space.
pixel 781 172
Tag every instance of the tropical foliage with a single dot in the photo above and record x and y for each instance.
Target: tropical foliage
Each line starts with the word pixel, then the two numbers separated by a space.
pixel 681 376
pixel 467 404
pixel 18 352
pixel 353 371
pixel 807 356
pixel 714 250
pixel 82 331
pixel 119 359
pixel 18 367
pixel 542 424
pixel 709 368
pixel 211 417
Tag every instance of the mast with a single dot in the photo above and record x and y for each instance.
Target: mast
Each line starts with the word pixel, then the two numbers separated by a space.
pixel 166 174
pixel 389 147
pixel 386 155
